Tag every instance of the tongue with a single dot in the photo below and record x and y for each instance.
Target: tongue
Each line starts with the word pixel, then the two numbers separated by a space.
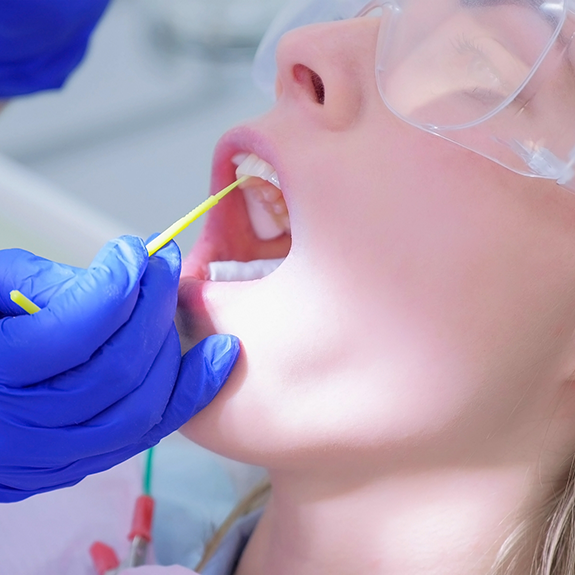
pixel 241 271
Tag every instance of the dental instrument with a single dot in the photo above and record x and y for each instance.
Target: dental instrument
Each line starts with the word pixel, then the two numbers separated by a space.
pixel 21 300
pixel 157 243
pixel 169 234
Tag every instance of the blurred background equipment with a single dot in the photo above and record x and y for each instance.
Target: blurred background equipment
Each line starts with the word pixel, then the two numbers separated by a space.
pixel 163 80
pixel 217 30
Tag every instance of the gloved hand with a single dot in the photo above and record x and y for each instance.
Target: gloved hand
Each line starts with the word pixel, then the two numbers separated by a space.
pixel 42 41
pixel 96 376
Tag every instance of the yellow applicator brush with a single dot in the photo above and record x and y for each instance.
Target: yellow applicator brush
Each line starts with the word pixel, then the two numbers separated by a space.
pixel 157 243
pixel 21 300
pixel 184 222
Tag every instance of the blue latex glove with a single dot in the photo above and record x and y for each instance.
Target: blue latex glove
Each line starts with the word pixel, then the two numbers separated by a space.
pixel 96 376
pixel 42 41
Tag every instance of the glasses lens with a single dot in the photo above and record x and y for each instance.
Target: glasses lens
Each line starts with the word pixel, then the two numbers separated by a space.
pixel 296 14
pixel 450 63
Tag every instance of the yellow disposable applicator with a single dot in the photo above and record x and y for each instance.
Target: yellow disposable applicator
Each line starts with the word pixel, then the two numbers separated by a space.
pixel 184 222
pixel 157 243
pixel 21 300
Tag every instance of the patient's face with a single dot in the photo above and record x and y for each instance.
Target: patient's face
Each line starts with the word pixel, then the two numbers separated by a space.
pixel 427 299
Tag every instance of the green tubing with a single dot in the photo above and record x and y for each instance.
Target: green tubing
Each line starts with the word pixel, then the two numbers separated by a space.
pixel 148 471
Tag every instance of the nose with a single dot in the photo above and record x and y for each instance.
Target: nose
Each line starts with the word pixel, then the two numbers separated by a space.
pixel 329 70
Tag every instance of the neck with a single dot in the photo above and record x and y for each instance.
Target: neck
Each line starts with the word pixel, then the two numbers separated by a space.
pixel 444 522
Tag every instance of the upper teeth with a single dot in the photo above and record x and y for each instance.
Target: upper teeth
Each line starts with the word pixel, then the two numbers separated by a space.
pixel 265 204
pixel 251 165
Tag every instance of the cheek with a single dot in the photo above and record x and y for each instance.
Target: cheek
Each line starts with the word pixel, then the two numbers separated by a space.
pixel 440 258
pixel 434 233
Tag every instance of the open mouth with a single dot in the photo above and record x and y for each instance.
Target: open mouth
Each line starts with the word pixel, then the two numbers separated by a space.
pixel 248 235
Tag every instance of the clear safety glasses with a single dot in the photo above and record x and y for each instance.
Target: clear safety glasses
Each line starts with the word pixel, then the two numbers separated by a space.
pixel 495 76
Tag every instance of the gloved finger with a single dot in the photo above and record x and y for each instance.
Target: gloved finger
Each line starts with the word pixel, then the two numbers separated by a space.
pixel 76 321
pixel 35 277
pixel 206 368
pixel 42 41
pixel 120 365
pixel 203 371
pixel 35 26
pixel 123 423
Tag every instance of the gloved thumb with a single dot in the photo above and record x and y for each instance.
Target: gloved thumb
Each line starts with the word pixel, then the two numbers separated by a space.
pixel 203 372
pixel 216 356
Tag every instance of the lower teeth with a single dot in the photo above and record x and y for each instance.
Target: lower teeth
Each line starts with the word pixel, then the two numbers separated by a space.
pixel 241 271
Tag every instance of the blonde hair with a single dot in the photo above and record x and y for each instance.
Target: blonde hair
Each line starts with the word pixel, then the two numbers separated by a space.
pixel 545 542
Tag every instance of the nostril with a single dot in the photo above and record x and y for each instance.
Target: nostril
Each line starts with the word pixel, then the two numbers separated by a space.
pixel 318 87
pixel 312 81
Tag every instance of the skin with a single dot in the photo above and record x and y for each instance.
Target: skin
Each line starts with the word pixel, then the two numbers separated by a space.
pixel 407 373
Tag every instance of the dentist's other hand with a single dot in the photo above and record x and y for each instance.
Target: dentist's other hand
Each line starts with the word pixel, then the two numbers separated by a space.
pixel 42 41
pixel 96 376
